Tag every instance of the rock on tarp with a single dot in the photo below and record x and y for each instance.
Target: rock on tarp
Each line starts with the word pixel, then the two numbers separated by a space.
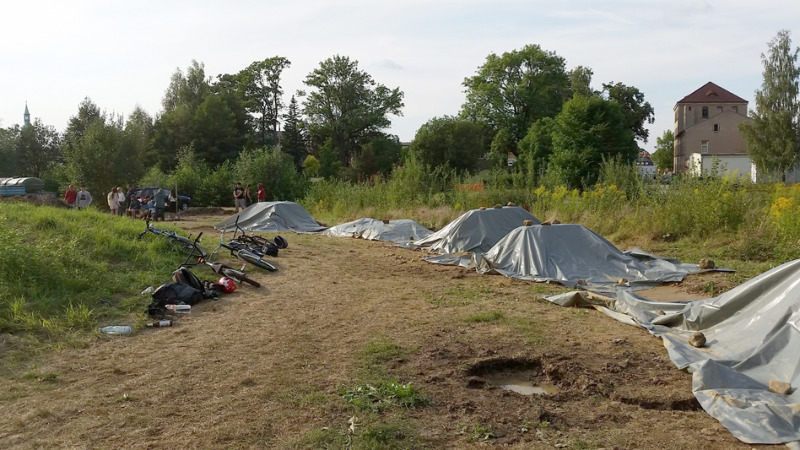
pixel 752 337
pixel 476 230
pixel 574 255
pixel 399 231
pixel 272 216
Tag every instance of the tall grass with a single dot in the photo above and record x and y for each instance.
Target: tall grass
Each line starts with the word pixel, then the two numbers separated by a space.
pixel 63 272
pixel 758 221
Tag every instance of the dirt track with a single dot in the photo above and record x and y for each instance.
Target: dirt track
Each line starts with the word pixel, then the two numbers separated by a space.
pixel 264 368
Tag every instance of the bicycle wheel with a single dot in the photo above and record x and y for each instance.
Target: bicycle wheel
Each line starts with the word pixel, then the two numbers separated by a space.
pixel 255 260
pixel 186 246
pixel 238 275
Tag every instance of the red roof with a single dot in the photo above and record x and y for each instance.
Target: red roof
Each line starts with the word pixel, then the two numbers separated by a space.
pixel 711 93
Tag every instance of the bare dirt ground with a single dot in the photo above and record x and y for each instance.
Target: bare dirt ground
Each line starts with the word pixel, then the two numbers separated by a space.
pixel 266 368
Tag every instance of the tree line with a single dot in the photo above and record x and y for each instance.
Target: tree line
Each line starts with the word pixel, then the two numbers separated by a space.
pixel 524 101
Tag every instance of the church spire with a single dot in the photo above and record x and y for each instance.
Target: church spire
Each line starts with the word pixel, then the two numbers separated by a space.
pixel 27 116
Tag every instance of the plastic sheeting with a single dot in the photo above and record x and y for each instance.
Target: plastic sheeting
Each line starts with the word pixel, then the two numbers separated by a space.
pixel 273 216
pixel 573 255
pixel 476 230
pixel 753 336
pixel 399 231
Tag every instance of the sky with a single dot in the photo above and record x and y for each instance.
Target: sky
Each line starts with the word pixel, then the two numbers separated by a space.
pixel 53 54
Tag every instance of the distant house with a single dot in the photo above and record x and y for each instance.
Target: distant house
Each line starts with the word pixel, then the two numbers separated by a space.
pixel 645 165
pixel 707 130
pixel 512 159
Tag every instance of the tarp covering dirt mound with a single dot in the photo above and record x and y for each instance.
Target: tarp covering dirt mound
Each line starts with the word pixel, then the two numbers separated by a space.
pixel 272 216
pixel 476 230
pixel 574 255
pixel 752 337
pixel 399 231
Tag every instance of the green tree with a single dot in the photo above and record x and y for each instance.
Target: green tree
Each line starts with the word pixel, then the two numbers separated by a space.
pixel 585 132
pixel 311 166
pixel 580 80
pixel 451 142
pixel 8 151
pixel 98 158
pixel 535 149
pixel 139 134
pixel 329 165
pixel 347 106
pixel 262 92
pixel 38 148
pixel 216 137
pixel 635 110
pixel 189 90
pixel 516 89
pixel 773 137
pixel 386 151
pixel 293 141
pixel 663 156
pixel 499 148
pixel 273 168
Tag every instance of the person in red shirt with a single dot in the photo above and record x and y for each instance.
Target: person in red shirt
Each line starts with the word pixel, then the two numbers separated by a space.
pixel 261 194
pixel 70 196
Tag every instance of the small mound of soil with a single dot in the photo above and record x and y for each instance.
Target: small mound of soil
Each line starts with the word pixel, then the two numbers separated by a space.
pixel 39 199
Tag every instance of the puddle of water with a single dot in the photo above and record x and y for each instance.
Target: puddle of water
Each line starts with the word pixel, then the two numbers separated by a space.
pixel 523 385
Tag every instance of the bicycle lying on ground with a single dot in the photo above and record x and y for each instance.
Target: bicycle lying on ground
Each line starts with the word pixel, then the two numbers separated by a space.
pixel 177 241
pixel 257 244
pixel 243 252
pixel 218 268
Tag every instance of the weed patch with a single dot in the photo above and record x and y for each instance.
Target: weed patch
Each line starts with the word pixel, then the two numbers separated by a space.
pixel 491 316
pixel 379 396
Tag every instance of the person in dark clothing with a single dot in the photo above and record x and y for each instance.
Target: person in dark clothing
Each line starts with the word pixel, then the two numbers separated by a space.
pixel 238 197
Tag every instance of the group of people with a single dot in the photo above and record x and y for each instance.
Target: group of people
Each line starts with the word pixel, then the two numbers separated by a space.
pixel 241 196
pixel 149 206
pixel 77 199
pixel 124 203
pixel 154 206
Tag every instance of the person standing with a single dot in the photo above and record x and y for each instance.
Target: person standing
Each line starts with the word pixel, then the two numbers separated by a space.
pixel 248 200
pixel 159 200
pixel 113 204
pixel 70 196
pixel 121 203
pixel 126 200
pixel 238 197
pixel 84 198
pixel 261 194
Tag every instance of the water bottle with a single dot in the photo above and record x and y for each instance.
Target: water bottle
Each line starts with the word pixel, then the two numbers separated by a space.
pixel 179 308
pixel 160 323
pixel 117 329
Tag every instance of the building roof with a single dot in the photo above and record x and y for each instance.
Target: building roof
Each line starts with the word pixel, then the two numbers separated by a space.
pixel 711 93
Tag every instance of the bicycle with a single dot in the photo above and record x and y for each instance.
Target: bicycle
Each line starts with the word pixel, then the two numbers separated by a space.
pixel 219 268
pixel 241 251
pixel 177 241
pixel 257 244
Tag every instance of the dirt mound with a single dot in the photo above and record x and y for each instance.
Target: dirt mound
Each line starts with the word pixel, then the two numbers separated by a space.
pixel 39 199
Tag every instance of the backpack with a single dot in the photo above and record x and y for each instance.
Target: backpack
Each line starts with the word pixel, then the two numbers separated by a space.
pixel 270 249
pixel 209 289
pixel 185 276
pixel 173 293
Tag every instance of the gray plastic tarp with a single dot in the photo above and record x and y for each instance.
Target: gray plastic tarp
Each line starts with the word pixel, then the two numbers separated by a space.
pixel 399 231
pixel 574 255
pixel 272 216
pixel 476 230
pixel 753 337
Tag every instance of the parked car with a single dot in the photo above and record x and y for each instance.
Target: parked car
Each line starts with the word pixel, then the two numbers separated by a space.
pixel 183 200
